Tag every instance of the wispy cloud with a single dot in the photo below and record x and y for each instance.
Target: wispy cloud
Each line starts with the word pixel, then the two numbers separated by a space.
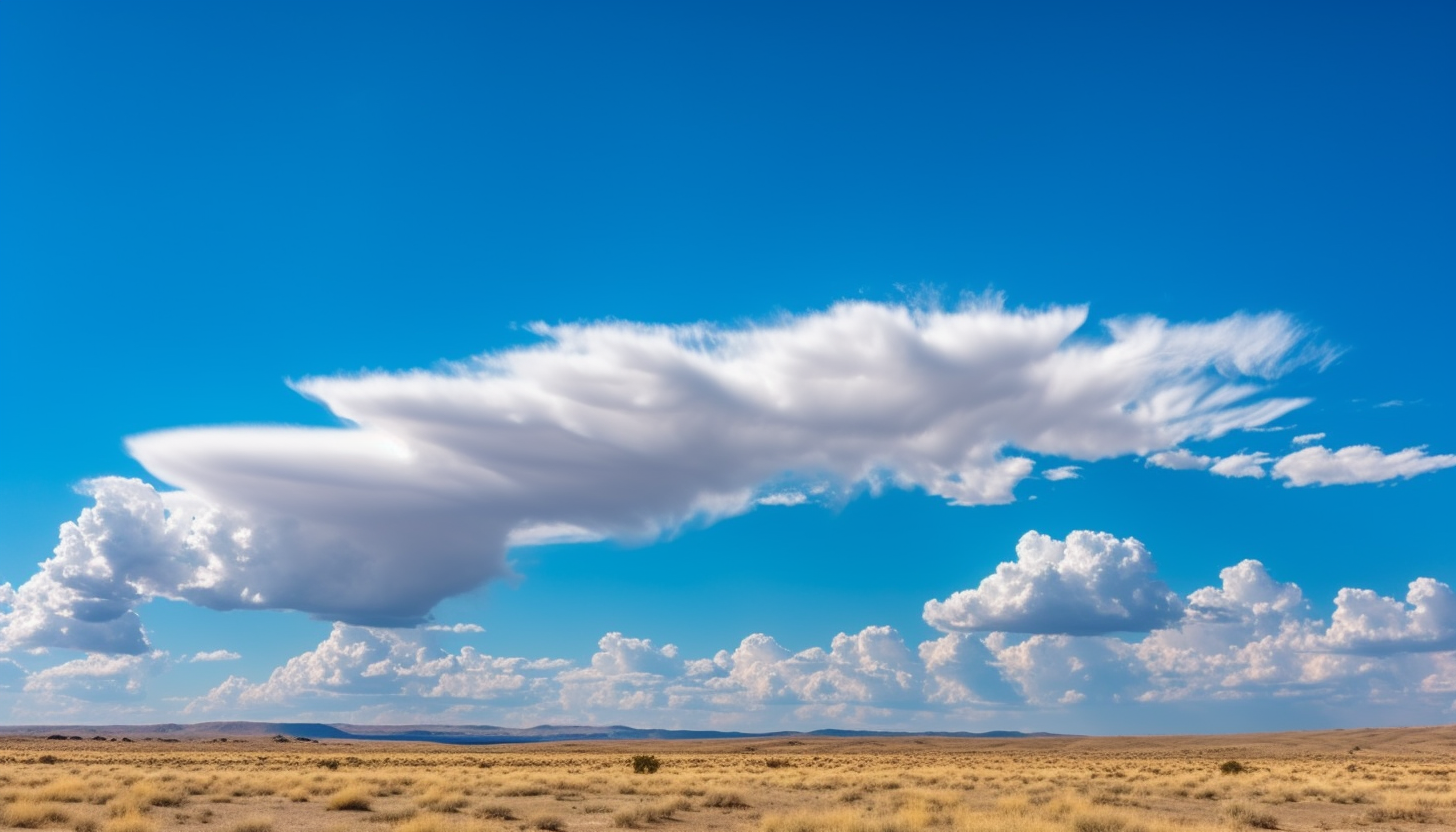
pixel 1356 464
pixel 626 430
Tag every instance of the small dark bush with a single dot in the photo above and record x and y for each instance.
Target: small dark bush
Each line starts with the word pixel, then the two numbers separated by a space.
pixel 1233 767
pixel 646 764
pixel 777 762
pixel 48 759
pixel 330 764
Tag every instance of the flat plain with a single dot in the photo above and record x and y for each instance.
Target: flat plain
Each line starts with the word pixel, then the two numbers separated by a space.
pixel 1385 779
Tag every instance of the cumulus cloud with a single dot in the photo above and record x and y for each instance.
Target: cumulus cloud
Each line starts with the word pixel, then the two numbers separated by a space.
pixel 626 675
pixel 1367 622
pixel 1356 464
pixel 1249 636
pixel 625 430
pixel 1090 583
pixel 215 656
pixel 1065 472
pixel 1181 459
pixel 1242 465
pixel 95 678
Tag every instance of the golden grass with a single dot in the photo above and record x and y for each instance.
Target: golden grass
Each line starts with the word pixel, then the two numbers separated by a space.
pixel 29 814
pixel 1398 781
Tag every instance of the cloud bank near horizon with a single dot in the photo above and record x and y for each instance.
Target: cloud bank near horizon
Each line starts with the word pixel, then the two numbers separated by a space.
pixel 1248 636
pixel 625 430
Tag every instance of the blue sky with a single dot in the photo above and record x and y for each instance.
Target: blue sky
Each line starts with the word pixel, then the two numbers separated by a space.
pixel 746 329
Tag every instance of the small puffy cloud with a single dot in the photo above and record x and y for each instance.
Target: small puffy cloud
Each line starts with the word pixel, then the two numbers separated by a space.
pixel 458 629
pixel 1355 465
pixel 1242 465
pixel 1090 583
pixel 1306 438
pixel 1181 459
pixel 215 656
pixel 625 430
pixel 1065 472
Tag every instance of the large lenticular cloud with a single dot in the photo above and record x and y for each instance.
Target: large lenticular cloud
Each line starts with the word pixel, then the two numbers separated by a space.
pixel 620 429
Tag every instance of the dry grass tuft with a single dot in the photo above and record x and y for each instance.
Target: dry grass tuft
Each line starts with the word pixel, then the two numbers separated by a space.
pixel 1242 815
pixel 129 823
pixel 352 799
pixel 724 800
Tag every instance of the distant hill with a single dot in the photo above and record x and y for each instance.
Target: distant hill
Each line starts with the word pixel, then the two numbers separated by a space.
pixel 451 734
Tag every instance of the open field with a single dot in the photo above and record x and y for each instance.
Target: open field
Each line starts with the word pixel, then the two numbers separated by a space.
pixel 1401 779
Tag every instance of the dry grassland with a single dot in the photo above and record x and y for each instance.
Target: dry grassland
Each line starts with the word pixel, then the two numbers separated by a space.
pixel 1401 779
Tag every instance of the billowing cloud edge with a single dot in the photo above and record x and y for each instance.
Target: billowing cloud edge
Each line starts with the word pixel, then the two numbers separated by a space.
pixel 625 430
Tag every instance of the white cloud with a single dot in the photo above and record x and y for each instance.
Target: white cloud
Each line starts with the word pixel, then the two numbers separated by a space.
pixel 625 430
pixel 1242 465
pixel 1065 472
pixel 1091 583
pixel 215 656
pixel 1249 638
pixel 95 678
pixel 1356 464
pixel 1181 459
pixel 1306 438
pixel 458 629
pixel 872 666
pixel 960 670
pixel 1051 670
pixel 783 498
pixel 1366 622
pixel 1235 465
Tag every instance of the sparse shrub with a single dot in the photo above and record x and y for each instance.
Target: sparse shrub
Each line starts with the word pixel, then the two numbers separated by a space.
pixel 725 800
pixel 65 790
pixel 646 764
pixel 27 814
pixel 442 800
pixel 550 823
pixel 48 759
pixel 352 799
pixel 1233 767
pixel 1417 812
pixel 495 811
pixel 330 763
pixel 637 815
pixel 1099 823
pixel 777 762
pixel 254 825
pixel 1241 815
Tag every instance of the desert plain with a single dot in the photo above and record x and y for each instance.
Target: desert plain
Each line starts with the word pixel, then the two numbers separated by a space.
pixel 1380 779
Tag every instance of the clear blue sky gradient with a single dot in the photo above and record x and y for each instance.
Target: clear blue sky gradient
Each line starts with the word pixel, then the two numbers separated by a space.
pixel 200 201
